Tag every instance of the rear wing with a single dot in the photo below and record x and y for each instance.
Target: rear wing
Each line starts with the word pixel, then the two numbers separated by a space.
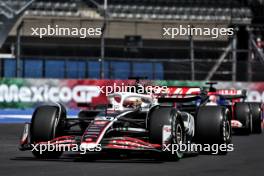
pixel 179 94
pixel 187 94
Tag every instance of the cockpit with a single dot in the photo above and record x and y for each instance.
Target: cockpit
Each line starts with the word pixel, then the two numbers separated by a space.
pixel 127 101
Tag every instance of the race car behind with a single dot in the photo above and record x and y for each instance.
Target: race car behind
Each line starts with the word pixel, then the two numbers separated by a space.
pixel 247 117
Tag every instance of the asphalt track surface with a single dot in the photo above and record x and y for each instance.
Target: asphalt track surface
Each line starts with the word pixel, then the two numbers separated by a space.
pixel 247 159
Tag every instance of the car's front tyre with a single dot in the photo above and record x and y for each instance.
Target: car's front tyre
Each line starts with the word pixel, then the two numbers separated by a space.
pixel 47 123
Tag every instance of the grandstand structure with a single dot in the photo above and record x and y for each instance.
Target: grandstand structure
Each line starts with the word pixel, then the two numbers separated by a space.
pixel 133 43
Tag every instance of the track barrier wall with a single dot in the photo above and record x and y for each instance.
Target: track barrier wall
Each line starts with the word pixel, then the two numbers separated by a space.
pixel 19 97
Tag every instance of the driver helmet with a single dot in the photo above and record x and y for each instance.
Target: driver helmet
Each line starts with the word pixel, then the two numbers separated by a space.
pixel 132 102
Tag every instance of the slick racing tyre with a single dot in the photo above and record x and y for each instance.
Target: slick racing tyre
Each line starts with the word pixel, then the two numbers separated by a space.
pixel 255 109
pixel 213 126
pixel 243 115
pixel 47 123
pixel 166 116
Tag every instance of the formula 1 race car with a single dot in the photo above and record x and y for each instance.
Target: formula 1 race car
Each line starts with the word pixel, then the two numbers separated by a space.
pixel 131 122
pixel 246 116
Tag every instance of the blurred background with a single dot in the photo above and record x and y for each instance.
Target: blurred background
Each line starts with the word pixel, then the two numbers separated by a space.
pixel 132 43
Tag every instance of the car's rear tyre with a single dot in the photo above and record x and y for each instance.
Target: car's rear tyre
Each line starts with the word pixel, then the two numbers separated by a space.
pixel 243 115
pixel 213 127
pixel 47 123
pixel 159 117
pixel 255 109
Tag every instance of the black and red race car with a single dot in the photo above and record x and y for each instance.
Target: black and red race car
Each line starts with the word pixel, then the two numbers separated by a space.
pixel 131 122
pixel 247 117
